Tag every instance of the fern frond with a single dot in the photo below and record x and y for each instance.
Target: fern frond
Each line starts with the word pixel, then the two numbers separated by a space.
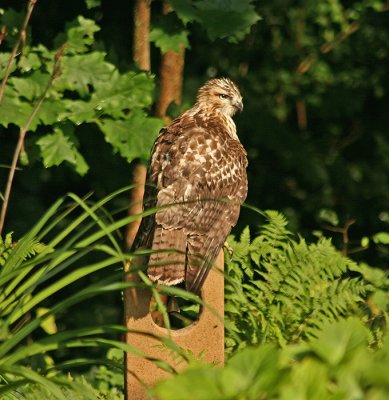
pixel 283 289
pixel 6 246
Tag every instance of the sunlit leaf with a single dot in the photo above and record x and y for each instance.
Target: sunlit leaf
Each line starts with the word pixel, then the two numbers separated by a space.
pixel 381 237
pixel 57 148
pixel 132 137
pixel 168 34
pixel 32 87
pixel 337 342
pixel 329 216
pixel 79 35
pixel 13 110
pixel 219 18
pixel 48 324
pixel 122 92
pixel 82 70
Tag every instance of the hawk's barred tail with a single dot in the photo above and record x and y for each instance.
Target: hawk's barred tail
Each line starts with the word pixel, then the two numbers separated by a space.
pixel 167 264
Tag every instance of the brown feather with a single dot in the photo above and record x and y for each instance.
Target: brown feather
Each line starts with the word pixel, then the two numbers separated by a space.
pixel 198 170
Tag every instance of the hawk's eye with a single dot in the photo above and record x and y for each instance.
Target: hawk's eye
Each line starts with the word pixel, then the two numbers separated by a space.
pixel 224 96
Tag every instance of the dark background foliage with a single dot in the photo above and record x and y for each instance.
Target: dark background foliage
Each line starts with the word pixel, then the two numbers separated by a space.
pixel 314 75
pixel 334 158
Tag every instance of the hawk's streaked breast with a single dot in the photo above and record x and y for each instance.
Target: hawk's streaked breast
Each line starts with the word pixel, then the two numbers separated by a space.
pixel 198 168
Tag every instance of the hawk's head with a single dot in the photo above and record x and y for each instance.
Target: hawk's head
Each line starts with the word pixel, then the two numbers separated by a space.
pixel 221 94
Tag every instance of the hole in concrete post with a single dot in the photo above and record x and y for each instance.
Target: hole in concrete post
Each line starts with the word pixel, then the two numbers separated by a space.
pixel 204 339
pixel 182 312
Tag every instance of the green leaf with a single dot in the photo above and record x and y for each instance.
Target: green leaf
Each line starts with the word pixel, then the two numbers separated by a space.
pixel 81 71
pixel 338 341
pixel 77 111
pixel 309 380
pixel 30 87
pixel 57 148
pixel 134 137
pixel 123 92
pixel 196 383
pixel 255 371
pixel 252 373
pixel 113 97
pixel 50 110
pixel 29 61
pixel 185 10
pixel 79 35
pixel 15 111
pixel 168 34
pixel 48 324
pixel 13 20
pixel 34 377
pixel 4 57
pixel 92 4
pixel 23 158
pixel 329 216
pixel 374 275
pixel 365 241
pixel 221 19
pixel 381 237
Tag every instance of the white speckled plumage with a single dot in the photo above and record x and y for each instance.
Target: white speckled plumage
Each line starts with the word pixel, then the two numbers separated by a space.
pixel 197 168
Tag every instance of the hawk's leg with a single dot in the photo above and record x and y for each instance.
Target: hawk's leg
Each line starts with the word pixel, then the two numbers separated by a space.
pixel 229 249
pixel 172 306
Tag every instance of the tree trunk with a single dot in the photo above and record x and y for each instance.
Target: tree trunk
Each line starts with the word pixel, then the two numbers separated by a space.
pixel 141 34
pixel 170 76
pixel 141 56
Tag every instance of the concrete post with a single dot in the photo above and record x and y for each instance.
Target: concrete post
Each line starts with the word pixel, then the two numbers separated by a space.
pixel 206 335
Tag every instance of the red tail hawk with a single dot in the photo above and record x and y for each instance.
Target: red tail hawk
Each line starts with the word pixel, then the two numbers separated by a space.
pixel 198 166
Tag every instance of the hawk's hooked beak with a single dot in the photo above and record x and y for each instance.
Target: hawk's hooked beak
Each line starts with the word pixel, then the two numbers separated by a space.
pixel 239 105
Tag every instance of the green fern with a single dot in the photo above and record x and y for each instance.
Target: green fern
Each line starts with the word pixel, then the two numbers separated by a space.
pixel 279 289
pixel 6 246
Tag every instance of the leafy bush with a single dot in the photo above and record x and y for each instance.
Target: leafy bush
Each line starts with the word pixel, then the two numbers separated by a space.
pixel 72 241
pixel 77 86
pixel 335 365
pixel 282 290
pixel 302 322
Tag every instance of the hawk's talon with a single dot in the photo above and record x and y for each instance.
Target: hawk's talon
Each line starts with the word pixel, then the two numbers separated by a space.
pixel 229 249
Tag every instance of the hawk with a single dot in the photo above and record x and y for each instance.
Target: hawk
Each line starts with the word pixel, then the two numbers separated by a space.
pixel 197 180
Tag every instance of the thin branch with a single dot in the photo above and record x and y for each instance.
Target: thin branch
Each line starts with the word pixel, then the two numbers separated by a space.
pixel 22 134
pixel 301 114
pixel 22 37
pixel 345 234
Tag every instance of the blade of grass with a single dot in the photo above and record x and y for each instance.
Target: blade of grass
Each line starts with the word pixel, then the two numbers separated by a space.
pixel 81 295
pixel 60 284
pixel 33 376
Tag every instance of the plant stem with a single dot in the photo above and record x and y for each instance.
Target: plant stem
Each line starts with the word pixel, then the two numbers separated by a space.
pixel 22 36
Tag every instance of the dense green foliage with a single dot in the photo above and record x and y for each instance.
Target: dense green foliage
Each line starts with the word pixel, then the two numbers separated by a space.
pixel 313 76
pixel 303 320
pixel 86 89
pixel 335 365
pixel 282 290
pixel 40 283
pixel 283 296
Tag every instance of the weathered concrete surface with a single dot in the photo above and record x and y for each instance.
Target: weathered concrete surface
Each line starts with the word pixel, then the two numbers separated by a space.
pixel 204 336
